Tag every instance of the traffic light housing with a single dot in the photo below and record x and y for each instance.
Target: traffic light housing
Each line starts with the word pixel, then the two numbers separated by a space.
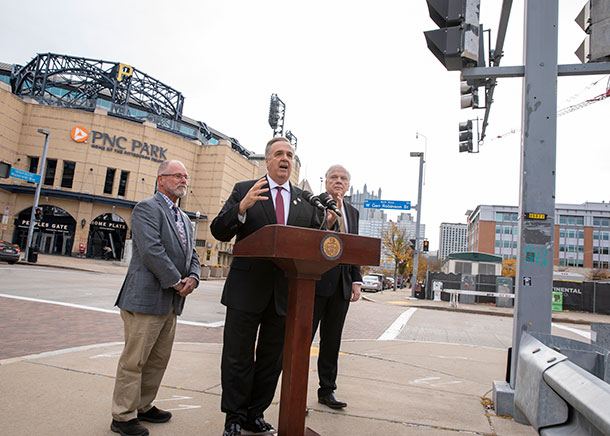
pixel 426 246
pixel 594 19
pixel 469 95
pixel 465 136
pixel 38 214
pixel 456 43
pixel 412 244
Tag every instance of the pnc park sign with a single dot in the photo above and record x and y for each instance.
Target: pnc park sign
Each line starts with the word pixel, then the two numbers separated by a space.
pixel 119 144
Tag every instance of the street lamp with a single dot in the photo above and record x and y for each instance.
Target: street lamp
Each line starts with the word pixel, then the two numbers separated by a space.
pixel 420 155
pixel 37 194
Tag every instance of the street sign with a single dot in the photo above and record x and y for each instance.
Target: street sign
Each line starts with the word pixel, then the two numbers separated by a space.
pixel 387 204
pixel 25 175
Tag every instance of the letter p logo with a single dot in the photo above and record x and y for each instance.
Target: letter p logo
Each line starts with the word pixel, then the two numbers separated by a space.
pixel 124 70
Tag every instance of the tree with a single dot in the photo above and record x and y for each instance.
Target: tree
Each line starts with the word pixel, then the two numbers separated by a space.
pixel 598 274
pixel 509 267
pixel 397 246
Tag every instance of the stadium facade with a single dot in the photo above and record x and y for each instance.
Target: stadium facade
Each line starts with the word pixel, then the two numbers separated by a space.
pixel 110 126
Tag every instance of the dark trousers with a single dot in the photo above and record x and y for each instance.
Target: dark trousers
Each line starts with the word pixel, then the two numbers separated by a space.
pixel 329 313
pixel 249 373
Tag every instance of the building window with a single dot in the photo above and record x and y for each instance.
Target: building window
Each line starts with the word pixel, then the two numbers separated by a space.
pixel 49 175
pixel 33 164
pixel 109 180
pixel 68 175
pixel 123 183
pixel 487 269
pixel 463 268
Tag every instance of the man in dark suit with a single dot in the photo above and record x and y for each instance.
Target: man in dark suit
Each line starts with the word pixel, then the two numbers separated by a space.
pixel 164 269
pixel 256 291
pixel 334 291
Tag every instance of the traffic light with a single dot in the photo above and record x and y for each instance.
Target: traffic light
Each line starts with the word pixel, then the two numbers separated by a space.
pixel 38 214
pixel 456 42
pixel 466 136
pixel 595 20
pixel 426 246
pixel 469 95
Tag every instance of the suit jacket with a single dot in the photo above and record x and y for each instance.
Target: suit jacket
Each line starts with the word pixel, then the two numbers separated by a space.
pixel 159 260
pixel 342 274
pixel 251 282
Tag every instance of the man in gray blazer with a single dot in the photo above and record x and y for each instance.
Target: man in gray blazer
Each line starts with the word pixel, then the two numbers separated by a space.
pixel 164 269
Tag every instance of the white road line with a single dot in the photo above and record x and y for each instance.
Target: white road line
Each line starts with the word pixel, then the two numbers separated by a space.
pixel 97 309
pixel 394 330
pixel 573 330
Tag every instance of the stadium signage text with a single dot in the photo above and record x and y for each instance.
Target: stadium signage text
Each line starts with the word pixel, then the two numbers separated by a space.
pixel 122 145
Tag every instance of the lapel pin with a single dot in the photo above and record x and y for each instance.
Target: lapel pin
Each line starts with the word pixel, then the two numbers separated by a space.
pixel 295 201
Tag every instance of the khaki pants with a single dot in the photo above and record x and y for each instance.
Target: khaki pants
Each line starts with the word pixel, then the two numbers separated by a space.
pixel 148 346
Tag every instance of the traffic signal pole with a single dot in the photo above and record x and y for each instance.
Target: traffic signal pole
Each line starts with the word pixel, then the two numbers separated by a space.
pixel 37 194
pixel 416 249
pixel 534 278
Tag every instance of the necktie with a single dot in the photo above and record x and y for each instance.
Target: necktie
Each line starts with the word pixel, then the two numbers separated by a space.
pixel 279 205
pixel 180 225
pixel 341 219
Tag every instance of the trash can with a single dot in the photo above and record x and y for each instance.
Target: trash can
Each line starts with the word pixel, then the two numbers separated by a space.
pixel 419 292
pixel 33 255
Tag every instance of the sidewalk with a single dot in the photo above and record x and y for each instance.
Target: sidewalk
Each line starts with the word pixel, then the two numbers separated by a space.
pixel 392 387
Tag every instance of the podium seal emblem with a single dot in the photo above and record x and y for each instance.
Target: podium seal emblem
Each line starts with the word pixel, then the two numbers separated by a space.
pixel 331 247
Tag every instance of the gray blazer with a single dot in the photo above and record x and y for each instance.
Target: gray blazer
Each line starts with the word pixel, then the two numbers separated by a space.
pixel 159 260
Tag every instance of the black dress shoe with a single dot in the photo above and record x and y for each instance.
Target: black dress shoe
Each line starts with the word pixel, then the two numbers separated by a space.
pixel 259 425
pixel 129 428
pixel 331 401
pixel 155 415
pixel 232 430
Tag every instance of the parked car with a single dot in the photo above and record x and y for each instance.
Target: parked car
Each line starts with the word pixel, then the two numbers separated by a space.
pixel 9 252
pixel 382 279
pixel 371 283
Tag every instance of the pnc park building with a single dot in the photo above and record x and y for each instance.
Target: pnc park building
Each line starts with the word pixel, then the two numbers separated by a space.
pixel 110 125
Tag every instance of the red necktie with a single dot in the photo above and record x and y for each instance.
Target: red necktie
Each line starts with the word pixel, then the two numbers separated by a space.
pixel 279 205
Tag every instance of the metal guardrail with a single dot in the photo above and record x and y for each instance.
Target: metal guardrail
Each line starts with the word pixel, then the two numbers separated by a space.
pixel 455 293
pixel 559 397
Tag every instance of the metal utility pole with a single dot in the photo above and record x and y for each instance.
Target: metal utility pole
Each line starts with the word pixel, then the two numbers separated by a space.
pixel 416 249
pixel 37 194
pixel 537 188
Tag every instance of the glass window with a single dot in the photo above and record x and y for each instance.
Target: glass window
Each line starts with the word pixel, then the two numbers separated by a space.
pixel 562 219
pixel 33 167
pixel 498 229
pixel 572 234
pixel 562 262
pixel 123 183
pixel 562 233
pixel 595 234
pixel 67 177
pixel 498 216
pixel 581 234
pixel 109 180
pixel 498 243
pixel 507 230
pixel 605 236
pixel 49 175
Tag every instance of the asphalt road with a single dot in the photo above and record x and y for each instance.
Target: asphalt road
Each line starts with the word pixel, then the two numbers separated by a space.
pixel 86 298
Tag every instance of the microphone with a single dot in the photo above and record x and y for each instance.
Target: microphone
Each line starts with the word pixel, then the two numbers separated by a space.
pixel 329 203
pixel 312 199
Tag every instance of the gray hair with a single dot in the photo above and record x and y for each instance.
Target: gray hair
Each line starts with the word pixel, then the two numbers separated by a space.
pixel 273 141
pixel 339 167
pixel 163 166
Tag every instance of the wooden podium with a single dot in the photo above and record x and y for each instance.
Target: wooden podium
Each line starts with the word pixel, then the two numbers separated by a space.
pixel 304 255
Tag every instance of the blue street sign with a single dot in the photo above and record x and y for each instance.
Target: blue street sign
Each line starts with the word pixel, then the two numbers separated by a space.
pixel 387 204
pixel 25 175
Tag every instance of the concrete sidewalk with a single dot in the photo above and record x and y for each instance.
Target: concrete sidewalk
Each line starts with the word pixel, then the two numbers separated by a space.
pixel 392 387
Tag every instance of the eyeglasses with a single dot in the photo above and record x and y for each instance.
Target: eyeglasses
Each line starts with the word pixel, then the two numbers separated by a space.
pixel 177 176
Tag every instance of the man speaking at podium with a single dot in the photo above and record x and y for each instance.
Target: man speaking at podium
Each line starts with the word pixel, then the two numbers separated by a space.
pixel 256 291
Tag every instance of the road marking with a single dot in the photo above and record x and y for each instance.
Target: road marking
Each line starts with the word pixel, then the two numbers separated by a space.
pixel 394 330
pixel 573 330
pixel 180 406
pixel 58 352
pixel 98 309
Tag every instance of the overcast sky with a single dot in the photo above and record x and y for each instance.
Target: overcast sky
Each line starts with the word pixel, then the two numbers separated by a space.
pixel 358 82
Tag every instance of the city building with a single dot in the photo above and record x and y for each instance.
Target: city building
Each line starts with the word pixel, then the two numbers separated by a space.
pixel 582 233
pixel 453 238
pixel 110 125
